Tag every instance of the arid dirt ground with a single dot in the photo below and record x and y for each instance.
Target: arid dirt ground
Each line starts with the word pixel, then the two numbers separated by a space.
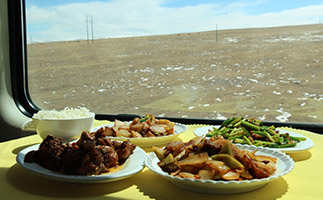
pixel 273 74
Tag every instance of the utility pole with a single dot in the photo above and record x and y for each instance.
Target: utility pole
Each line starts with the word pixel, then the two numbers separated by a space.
pixel 87 29
pixel 89 21
pixel 92 29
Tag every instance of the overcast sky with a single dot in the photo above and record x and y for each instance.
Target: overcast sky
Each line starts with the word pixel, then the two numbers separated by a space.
pixel 57 20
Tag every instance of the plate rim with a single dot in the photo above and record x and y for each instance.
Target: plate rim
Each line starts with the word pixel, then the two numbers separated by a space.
pixel 132 166
pixel 286 159
pixel 308 142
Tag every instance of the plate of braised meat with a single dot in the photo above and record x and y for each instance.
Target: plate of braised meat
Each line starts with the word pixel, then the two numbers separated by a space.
pixel 91 159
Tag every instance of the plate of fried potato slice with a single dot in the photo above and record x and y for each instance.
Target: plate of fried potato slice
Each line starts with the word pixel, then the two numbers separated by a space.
pixel 218 166
pixel 143 132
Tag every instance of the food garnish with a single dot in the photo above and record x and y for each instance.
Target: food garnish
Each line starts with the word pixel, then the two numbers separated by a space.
pixel 254 132
pixel 213 159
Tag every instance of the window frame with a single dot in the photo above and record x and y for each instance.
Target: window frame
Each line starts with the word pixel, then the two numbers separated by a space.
pixel 19 77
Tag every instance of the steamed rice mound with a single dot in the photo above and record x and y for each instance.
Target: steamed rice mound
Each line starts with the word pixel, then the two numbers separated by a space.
pixel 67 113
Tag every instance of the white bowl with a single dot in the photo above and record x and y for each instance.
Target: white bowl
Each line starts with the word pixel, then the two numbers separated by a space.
pixel 66 129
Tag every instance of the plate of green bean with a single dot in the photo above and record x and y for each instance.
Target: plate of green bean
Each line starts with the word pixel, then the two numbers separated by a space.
pixel 243 131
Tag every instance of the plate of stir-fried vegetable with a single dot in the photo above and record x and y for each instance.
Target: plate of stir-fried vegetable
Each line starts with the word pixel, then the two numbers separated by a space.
pixel 246 131
pixel 217 166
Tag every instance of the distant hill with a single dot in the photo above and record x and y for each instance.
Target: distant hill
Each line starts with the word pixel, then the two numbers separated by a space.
pixel 268 73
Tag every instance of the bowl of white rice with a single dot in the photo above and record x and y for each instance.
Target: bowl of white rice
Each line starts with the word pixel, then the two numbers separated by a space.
pixel 67 124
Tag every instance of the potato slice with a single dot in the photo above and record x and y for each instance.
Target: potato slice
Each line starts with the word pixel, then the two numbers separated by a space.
pixel 194 159
pixel 168 160
pixel 123 133
pixel 135 134
pixel 230 176
pixel 119 125
pixel 244 173
pixel 218 166
pixel 137 127
pixel 187 175
pixel 269 167
pixel 157 129
pixel 180 155
pixel 108 131
pixel 167 122
pixel 263 158
pixel 159 152
pixel 206 174
pixel 149 134
pixel 188 168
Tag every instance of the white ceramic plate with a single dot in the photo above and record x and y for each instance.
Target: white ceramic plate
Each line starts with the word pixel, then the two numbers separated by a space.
pixel 149 141
pixel 301 146
pixel 134 164
pixel 284 165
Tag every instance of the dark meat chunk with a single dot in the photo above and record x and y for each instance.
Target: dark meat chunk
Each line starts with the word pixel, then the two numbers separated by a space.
pixel 70 158
pixel 86 142
pixel 173 147
pixel 213 147
pixel 124 150
pixel 48 154
pixel 110 156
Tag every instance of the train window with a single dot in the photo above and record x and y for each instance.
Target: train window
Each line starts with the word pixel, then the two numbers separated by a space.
pixel 185 59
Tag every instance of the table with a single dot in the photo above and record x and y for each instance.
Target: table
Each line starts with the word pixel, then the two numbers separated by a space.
pixel 303 182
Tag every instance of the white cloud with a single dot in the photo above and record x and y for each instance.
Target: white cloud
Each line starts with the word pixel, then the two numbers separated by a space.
pixel 148 17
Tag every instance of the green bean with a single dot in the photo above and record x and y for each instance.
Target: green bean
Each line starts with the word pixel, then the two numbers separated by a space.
pixel 235 137
pixel 263 143
pixel 286 145
pixel 247 140
pixel 264 134
pixel 245 131
pixel 236 131
pixel 250 126
pixel 271 131
pixel 225 123
pixel 278 139
pixel 236 120
pixel 224 130
pixel 237 124
pixel 240 141
pixel 209 135
pixel 298 139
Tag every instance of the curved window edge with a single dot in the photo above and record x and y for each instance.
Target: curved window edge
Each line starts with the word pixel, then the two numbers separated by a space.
pixel 17 41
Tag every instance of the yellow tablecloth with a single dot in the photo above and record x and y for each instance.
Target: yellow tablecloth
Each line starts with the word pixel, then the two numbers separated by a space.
pixel 303 182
